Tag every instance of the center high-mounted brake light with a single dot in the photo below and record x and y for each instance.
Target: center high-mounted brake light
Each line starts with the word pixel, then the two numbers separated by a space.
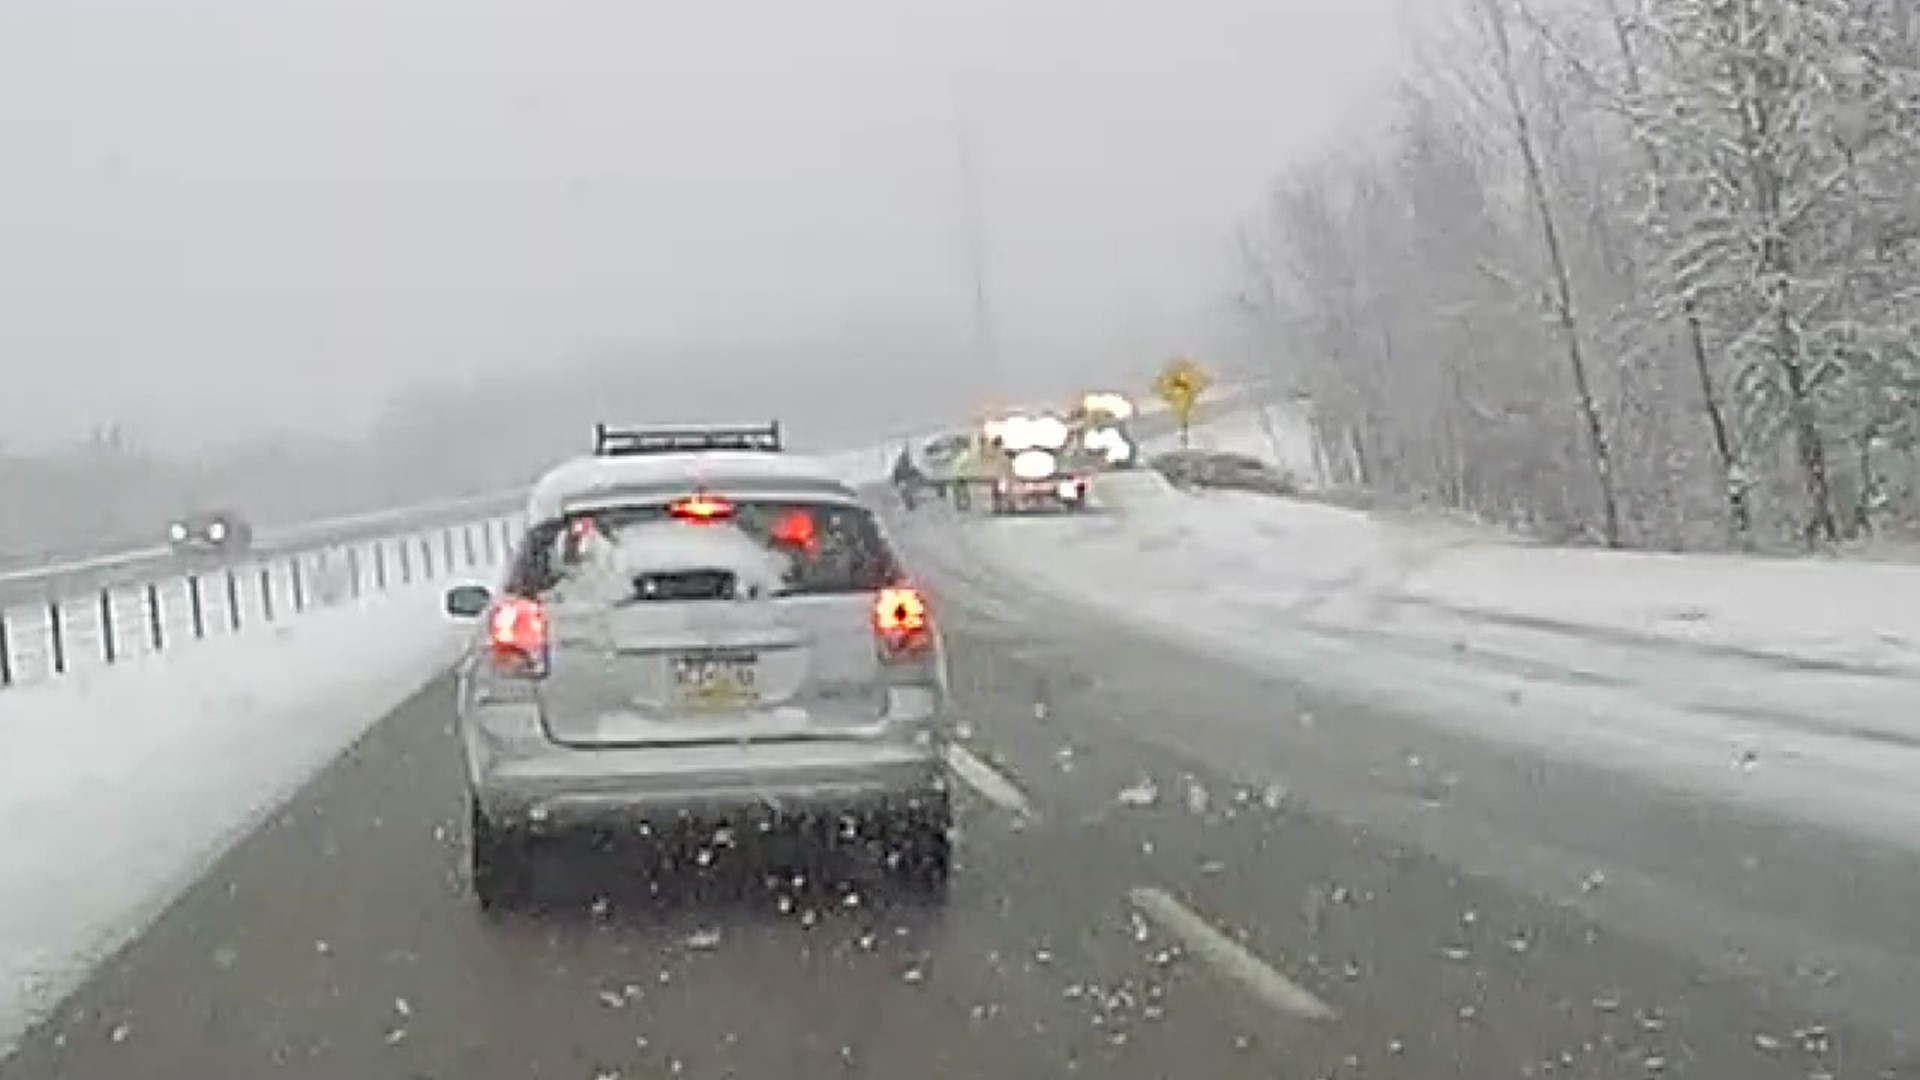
pixel 517 630
pixel 701 508
pixel 902 623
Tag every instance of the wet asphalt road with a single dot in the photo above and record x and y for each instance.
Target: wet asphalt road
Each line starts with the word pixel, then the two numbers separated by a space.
pixel 1428 891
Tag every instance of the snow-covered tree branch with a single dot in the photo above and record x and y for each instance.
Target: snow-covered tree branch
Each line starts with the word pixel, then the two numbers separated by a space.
pixel 1635 271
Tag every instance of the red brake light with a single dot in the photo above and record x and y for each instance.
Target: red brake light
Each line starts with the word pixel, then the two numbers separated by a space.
pixel 796 528
pixel 901 620
pixel 518 632
pixel 701 508
pixel 900 608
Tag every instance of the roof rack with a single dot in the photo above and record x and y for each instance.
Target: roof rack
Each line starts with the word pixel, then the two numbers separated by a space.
pixel 679 438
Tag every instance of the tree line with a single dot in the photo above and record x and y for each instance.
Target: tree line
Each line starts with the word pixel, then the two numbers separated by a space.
pixel 1631 272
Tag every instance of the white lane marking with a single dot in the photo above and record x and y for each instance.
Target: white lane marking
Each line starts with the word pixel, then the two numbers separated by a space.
pixel 1229 956
pixel 986 780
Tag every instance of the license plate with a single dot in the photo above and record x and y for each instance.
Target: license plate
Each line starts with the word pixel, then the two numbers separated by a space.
pixel 716 680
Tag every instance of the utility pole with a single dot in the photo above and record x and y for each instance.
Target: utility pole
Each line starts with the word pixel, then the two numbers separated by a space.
pixel 985 338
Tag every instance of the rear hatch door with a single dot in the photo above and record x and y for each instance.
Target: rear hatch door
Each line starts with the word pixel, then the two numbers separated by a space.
pixel 690 633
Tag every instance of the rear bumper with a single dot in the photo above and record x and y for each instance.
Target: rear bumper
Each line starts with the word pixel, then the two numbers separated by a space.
pixel 1049 498
pixel 564 788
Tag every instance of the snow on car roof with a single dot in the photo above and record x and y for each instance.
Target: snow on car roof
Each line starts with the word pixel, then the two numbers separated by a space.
pixel 584 480
pixel 607 576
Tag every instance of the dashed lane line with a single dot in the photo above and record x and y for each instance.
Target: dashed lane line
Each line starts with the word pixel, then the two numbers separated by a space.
pixel 988 781
pixel 1228 956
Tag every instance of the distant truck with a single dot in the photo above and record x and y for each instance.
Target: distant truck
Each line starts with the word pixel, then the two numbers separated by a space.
pixel 1020 461
pixel 1035 463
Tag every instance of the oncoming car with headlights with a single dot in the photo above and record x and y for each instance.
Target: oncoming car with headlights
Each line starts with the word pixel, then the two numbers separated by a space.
pixel 698 630
pixel 217 534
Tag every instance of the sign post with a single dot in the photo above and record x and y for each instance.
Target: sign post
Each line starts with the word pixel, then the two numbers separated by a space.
pixel 1180 384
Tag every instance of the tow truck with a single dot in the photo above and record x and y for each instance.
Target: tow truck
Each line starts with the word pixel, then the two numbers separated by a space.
pixel 1033 462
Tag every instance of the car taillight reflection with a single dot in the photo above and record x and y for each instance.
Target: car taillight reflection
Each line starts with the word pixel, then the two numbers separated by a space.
pixel 517 631
pixel 796 528
pixel 902 622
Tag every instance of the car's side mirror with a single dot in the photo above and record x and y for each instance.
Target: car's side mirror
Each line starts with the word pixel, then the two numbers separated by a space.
pixel 468 601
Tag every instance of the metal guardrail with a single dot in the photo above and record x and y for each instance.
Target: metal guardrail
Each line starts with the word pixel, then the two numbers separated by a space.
pixel 277 541
pixel 119 622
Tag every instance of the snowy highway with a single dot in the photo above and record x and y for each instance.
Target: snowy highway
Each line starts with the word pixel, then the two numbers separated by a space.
pixel 1172 864
pixel 1249 787
pixel 1323 540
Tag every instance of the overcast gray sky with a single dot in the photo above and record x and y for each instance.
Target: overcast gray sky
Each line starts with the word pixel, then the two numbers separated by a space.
pixel 275 211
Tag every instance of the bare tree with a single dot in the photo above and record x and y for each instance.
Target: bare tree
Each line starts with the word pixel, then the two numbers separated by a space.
pixel 1773 113
pixel 1734 478
pixel 1691 220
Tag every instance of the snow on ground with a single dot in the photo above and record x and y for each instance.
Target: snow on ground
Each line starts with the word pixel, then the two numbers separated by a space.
pixel 121 785
pixel 1272 432
pixel 868 464
pixel 1796 684
pixel 1817 613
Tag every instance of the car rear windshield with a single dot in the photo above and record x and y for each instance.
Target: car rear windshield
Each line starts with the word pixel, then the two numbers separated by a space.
pixel 830 547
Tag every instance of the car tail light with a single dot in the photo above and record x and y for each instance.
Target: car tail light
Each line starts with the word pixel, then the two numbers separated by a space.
pixel 517 632
pixel 702 508
pixel 796 528
pixel 902 623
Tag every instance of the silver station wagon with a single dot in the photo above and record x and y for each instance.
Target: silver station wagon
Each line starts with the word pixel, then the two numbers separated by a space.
pixel 698 628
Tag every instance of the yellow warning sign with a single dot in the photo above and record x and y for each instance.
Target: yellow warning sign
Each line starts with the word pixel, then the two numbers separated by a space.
pixel 1180 384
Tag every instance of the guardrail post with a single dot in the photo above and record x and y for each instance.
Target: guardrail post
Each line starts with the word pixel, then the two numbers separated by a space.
pixel 107 642
pixel 266 593
pixel 466 544
pixel 446 548
pixel 57 637
pixel 198 605
pixel 6 653
pixel 233 601
pixel 426 558
pixel 380 566
pixel 298 588
pixel 486 540
pixel 353 571
pixel 406 562
pixel 154 619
